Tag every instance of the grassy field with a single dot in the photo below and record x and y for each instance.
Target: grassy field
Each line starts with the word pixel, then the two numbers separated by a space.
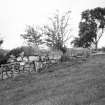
pixel 64 84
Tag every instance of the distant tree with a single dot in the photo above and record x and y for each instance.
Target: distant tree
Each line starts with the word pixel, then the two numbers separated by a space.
pixel 15 52
pixel 91 27
pixel 3 56
pixel 33 36
pixel 58 32
pixel 103 49
pixel 1 42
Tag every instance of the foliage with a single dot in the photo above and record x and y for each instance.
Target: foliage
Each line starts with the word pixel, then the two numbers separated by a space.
pixel 91 27
pixel 103 49
pixel 15 52
pixel 1 42
pixel 58 32
pixel 3 56
pixel 3 59
pixel 32 36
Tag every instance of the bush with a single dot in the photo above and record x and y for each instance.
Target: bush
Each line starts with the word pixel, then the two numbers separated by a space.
pixel 15 52
pixel 103 49
pixel 3 59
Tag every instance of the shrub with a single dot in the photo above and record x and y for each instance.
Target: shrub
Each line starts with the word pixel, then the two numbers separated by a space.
pixel 103 49
pixel 3 59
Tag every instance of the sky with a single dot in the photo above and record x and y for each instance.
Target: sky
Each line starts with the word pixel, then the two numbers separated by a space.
pixel 16 14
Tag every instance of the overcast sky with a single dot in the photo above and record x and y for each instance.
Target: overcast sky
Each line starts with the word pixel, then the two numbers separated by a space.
pixel 16 14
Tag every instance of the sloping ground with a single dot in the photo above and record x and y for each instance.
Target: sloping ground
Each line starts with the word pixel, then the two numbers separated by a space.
pixel 79 84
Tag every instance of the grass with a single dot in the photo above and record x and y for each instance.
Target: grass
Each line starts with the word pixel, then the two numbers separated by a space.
pixel 65 84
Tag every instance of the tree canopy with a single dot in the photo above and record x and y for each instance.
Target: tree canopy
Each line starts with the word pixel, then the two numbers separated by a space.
pixel 32 36
pixel 15 52
pixel 58 32
pixel 91 27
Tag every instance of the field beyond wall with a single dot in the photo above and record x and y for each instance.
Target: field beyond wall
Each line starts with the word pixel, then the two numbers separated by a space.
pixel 62 84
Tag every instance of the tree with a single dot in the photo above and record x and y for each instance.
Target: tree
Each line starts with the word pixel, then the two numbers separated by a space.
pixel 91 27
pixel 58 32
pixel 33 36
pixel 15 52
pixel 3 56
pixel 1 42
